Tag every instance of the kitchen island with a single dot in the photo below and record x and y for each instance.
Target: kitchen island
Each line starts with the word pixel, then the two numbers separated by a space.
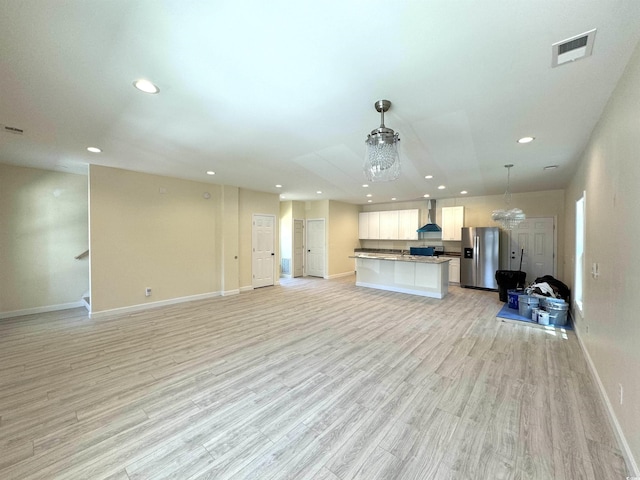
pixel 415 275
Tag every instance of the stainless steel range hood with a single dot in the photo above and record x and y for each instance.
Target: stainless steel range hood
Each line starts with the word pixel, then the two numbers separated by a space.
pixel 430 226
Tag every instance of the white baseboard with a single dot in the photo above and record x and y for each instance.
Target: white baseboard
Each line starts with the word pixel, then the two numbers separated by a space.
pixel 246 289
pixel 226 293
pixel 45 309
pixel 338 275
pixel 632 466
pixel 145 306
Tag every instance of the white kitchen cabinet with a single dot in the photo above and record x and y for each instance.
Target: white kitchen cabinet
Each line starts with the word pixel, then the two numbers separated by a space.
pixel 408 224
pixel 363 225
pixel 369 225
pixel 374 225
pixel 452 223
pixel 389 225
pixel 454 269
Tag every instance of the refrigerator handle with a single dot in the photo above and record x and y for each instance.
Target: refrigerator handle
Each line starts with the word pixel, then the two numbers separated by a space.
pixel 476 247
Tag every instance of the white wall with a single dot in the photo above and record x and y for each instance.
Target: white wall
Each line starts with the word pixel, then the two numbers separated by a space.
pixel 609 172
pixel 43 226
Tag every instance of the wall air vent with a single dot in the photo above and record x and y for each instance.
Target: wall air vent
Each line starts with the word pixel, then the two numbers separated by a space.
pixel 573 48
pixel 14 130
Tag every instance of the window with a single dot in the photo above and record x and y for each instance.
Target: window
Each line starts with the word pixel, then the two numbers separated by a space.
pixel 580 237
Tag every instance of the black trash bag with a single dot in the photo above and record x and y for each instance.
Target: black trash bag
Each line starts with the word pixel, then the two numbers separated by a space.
pixel 509 280
pixel 561 290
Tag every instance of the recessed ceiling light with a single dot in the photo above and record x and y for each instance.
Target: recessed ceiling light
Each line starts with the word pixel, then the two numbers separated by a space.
pixel 319 192
pixel 94 149
pixel 526 139
pixel 210 172
pixel 428 177
pixel 282 196
pixel 145 86
pixel 426 195
pixel 463 192
pixel 393 198
pixel 550 167
pixel 369 201
pixel 365 185
pixel 278 186
pixel 441 187
pixel 369 195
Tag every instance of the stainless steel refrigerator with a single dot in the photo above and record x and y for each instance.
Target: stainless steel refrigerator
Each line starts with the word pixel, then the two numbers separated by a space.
pixel 479 257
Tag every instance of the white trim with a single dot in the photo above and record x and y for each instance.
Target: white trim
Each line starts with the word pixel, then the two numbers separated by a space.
pixel 246 289
pixel 146 306
pixel 339 275
pixel 632 466
pixel 226 293
pixel 44 309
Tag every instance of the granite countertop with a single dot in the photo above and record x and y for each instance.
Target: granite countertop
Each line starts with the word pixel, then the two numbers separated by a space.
pixel 404 258
pixel 390 252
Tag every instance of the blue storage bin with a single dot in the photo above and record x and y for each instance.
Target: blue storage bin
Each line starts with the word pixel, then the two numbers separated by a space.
pixel 513 298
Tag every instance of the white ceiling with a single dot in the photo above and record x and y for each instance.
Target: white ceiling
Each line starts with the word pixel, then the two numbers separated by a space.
pixel 282 92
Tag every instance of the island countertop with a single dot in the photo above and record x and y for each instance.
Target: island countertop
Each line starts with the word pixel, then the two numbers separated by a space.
pixel 412 274
pixel 403 258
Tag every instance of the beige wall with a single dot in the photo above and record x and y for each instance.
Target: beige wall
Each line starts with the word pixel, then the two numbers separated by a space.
pixel 249 203
pixel 151 231
pixel 342 237
pixel 43 226
pixel 610 174
pixel 229 233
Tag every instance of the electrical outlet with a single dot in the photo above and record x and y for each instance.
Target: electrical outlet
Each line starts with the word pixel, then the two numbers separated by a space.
pixel 147 292
pixel 620 393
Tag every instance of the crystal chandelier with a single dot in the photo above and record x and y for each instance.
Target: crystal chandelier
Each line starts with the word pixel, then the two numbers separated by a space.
pixel 382 159
pixel 508 218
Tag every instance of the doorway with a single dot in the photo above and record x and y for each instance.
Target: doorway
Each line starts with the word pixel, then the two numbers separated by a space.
pixel 535 240
pixel 315 247
pixel 263 239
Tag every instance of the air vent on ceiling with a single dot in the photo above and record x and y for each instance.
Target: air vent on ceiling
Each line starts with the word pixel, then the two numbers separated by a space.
pixel 573 48
pixel 8 129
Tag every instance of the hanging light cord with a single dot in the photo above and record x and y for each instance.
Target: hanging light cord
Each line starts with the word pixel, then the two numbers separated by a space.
pixel 507 193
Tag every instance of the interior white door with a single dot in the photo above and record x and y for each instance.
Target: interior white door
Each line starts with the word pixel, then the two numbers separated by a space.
pixel 534 238
pixel 315 248
pixel 263 256
pixel 298 248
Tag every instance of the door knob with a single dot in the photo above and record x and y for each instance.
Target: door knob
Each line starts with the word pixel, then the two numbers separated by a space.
pixel 273 254
pixel 309 251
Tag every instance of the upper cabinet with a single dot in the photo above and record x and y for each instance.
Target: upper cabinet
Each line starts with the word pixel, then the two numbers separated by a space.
pixel 389 225
pixel 408 224
pixel 363 225
pixel 452 223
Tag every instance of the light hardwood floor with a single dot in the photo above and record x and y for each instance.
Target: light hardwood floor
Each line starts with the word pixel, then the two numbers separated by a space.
pixel 314 379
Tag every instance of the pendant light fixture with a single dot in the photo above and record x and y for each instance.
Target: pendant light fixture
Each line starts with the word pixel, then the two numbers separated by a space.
pixel 508 218
pixel 382 159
